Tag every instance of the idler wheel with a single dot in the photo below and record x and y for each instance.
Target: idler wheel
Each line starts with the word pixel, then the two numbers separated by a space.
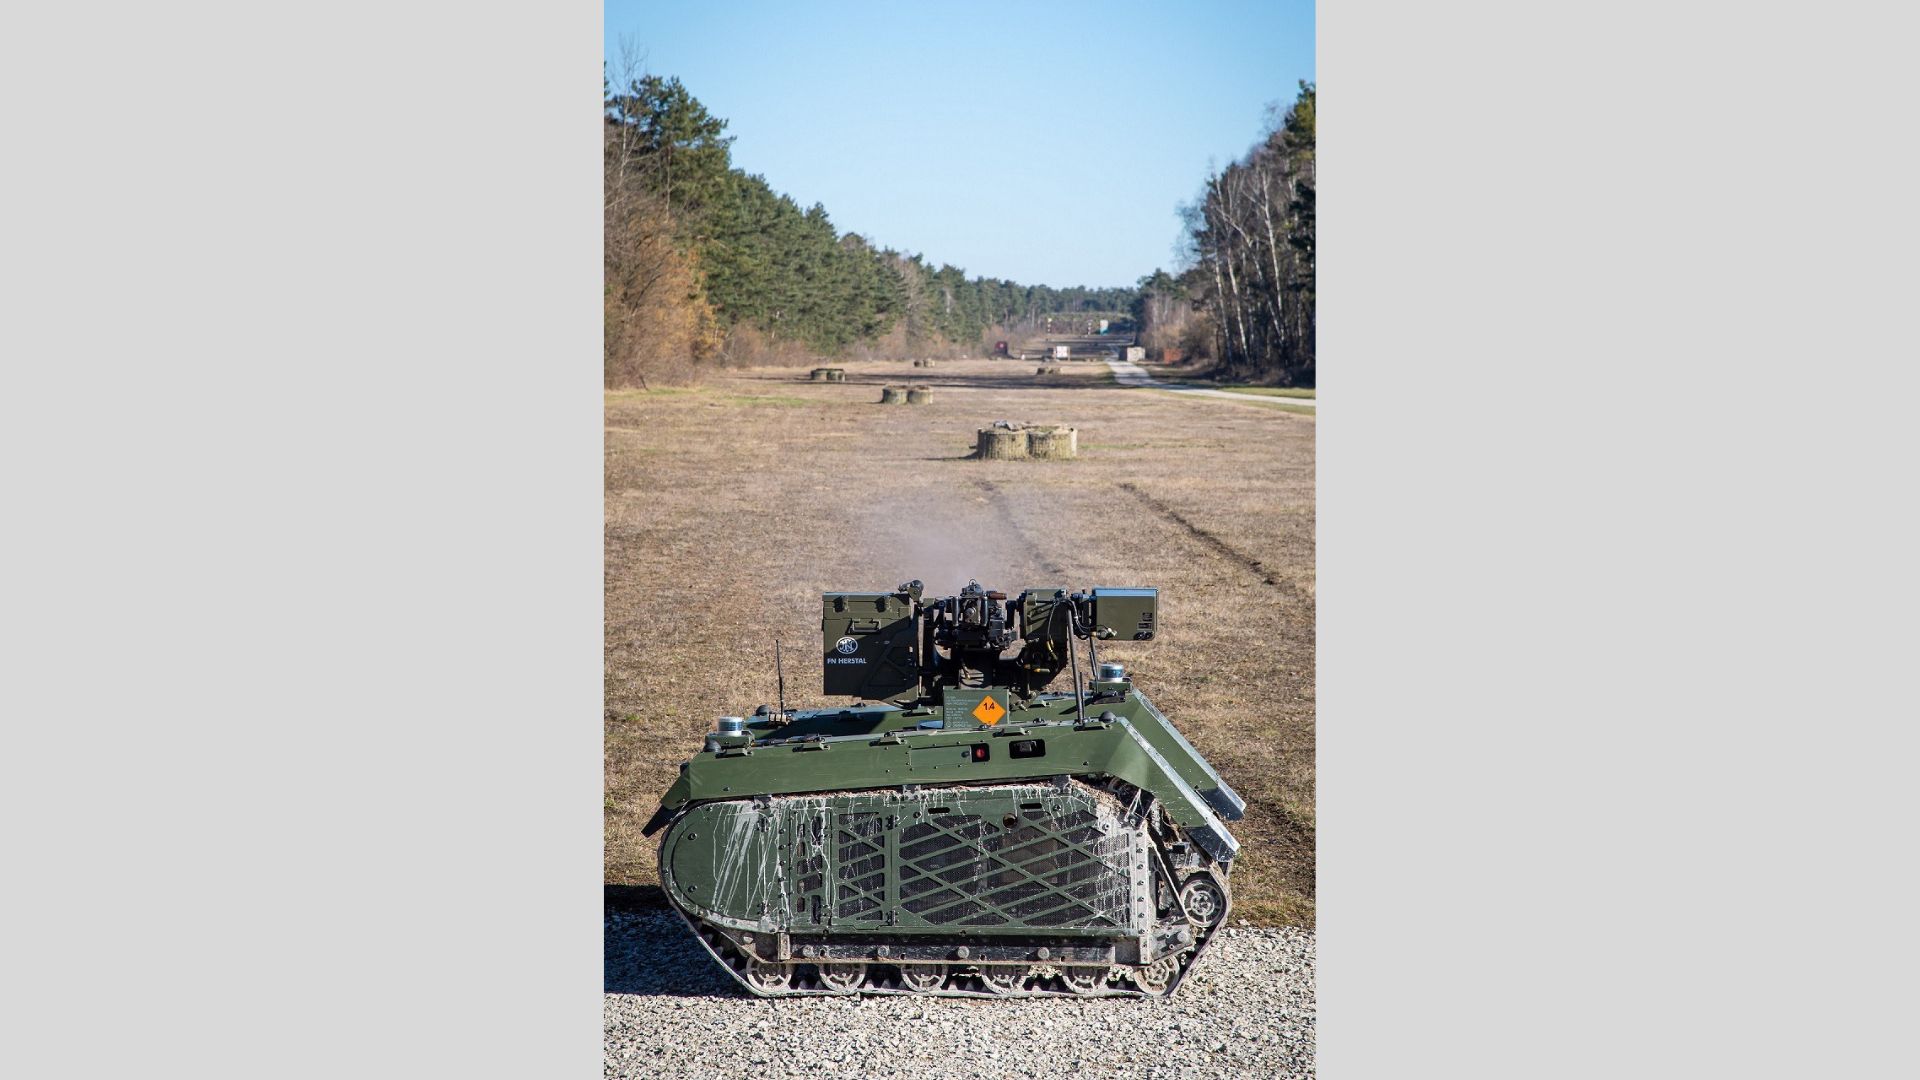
pixel 1203 901
pixel 923 978
pixel 842 978
pixel 1005 981
pixel 768 976
pixel 1085 981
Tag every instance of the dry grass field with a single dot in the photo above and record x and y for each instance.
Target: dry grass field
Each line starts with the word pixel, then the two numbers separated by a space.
pixel 731 507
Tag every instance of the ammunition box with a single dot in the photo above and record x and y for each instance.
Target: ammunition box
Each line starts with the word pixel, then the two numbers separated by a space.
pixel 867 645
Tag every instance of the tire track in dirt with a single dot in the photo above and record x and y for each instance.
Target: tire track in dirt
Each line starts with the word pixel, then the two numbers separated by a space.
pixel 1295 843
pixel 1219 546
pixel 1003 506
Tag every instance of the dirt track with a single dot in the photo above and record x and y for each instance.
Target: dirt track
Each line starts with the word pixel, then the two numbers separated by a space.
pixel 1130 374
pixel 732 507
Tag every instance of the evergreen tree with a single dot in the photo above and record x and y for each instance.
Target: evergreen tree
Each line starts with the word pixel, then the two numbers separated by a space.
pixel 748 260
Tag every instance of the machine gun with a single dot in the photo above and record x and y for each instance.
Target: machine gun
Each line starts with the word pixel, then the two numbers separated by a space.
pixel 900 645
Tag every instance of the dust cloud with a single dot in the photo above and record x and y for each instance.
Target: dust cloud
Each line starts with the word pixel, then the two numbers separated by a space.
pixel 950 537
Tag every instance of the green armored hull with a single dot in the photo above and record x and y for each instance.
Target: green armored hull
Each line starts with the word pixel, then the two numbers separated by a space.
pixel 974 840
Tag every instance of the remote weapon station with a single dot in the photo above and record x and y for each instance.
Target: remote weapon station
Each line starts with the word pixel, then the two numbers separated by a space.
pixel 956 829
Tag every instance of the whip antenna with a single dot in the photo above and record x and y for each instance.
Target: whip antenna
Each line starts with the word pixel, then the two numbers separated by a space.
pixel 780 674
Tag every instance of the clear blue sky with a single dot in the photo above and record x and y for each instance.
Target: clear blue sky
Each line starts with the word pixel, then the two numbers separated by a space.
pixel 1045 142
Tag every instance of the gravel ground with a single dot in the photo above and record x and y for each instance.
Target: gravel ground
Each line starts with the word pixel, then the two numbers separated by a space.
pixel 671 1012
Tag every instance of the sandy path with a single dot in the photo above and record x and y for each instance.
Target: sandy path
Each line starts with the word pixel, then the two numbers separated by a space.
pixel 1132 374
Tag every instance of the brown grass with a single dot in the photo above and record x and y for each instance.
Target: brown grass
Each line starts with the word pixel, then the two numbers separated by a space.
pixel 727 515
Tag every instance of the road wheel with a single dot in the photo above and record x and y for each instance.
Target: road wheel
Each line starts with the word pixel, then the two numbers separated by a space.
pixel 842 978
pixel 1005 981
pixel 770 978
pixel 1154 977
pixel 1085 981
pixel 923 978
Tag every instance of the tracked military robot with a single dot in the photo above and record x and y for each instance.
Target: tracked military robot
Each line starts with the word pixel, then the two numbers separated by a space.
pixel 958 829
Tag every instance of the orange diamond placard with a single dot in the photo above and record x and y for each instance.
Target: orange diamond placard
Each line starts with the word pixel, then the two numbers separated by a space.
pixel 988 711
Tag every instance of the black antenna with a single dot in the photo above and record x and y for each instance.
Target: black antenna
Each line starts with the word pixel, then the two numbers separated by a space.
pixel 1073 657
pixel 781 674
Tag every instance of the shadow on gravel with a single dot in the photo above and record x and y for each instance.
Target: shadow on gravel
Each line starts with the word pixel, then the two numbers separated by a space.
pixel 653 953
pixel 633 897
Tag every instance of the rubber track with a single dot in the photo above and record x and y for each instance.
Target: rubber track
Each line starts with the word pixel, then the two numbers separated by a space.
pixel 729 958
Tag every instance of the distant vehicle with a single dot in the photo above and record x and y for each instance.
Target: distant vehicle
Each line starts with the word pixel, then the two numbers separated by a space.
pixel 1135 354
pixel 1061 352
pixel 1103 326
pixel 1000 348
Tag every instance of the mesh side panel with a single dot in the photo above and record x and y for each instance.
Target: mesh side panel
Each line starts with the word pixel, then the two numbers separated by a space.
pixel 811 870
pixel 937 864
pixel 861 855
pixel 1049 870
pixel 813 879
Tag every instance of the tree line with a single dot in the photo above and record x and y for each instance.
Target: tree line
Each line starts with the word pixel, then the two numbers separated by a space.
pixel 706 264
pixel 1245 301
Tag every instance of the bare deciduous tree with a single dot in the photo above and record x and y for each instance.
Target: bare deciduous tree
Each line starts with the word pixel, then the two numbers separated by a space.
pixel 1248 293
